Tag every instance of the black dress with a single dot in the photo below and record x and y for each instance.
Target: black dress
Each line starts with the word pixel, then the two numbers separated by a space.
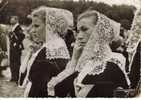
pixel 105 83
pixel 42 70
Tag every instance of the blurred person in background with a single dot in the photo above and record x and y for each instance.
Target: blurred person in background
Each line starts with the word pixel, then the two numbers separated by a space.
pixel 134 50
pixel 118 45
pixel 16 38
pixel 3 49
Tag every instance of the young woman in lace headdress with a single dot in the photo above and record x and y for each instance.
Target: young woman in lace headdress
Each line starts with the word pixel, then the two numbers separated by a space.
pixel 96 69
pixel 134 45
pixel 51 54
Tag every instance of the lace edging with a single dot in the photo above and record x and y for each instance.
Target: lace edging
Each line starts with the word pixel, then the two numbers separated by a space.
pixel 57 53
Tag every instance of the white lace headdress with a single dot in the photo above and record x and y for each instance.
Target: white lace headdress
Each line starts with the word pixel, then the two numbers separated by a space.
pixel 136 20
pixel 135 36
pixel 97 47
pixel 57 22
pixel 135 32
pixel 97 52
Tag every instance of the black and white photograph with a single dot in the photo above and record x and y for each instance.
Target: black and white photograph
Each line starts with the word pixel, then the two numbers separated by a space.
pixel 70 48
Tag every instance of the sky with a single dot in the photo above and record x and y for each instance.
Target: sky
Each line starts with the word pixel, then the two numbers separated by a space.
pixel 119 2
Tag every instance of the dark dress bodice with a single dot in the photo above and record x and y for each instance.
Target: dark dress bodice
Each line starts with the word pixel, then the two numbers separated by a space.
pixel 106 82
pixel 42 70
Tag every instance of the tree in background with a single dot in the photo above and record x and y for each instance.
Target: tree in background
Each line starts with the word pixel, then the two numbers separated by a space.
pixel 123 13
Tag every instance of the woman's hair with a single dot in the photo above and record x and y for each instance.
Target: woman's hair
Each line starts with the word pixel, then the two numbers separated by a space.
pixel 40 13
pixel 87 14
pixel 14 16
pixel 116 43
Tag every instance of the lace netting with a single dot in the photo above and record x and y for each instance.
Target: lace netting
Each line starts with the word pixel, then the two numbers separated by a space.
pixel 57 22
pixel 97 47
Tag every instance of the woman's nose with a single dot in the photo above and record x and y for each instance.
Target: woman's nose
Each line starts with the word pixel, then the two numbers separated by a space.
pixel 34 34
pixel 80 36
pixel 31 29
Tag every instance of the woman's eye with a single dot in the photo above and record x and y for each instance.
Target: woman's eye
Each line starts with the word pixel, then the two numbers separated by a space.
pixel 84 28
pixel 36 25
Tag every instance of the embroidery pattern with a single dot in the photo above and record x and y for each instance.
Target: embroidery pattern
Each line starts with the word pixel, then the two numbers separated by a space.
pixel 98 69
pixel 57 21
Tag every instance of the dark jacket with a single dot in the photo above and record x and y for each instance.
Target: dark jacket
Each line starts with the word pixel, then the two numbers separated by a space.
pixel 16 46
pixel 16 38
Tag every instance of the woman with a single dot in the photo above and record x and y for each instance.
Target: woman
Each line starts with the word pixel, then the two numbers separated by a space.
pixel 94 66
pixel 3 49
pixel 134 44
pixel 50 52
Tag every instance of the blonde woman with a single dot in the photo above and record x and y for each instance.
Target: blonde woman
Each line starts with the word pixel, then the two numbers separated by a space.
pixel 51 55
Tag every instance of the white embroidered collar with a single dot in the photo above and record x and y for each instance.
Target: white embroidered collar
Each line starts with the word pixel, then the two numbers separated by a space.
pixel 92 68
pixel 56 48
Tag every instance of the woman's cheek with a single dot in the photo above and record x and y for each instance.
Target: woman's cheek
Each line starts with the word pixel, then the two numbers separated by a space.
pixel 43 36
pixel 88 33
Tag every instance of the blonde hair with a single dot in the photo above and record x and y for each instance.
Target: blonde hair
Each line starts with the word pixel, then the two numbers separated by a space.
pixel 88 13
pixel 40 13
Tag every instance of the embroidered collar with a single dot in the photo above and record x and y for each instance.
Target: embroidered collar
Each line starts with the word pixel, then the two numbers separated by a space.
pixel 57 21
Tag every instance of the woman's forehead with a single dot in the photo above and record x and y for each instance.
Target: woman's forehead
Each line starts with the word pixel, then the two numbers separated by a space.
pixel 86 21
pixel 36 20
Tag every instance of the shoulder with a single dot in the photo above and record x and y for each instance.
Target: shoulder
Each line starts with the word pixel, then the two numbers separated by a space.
pixel 60 42
pixel 4 28
pixel 118 59
pixel 18 28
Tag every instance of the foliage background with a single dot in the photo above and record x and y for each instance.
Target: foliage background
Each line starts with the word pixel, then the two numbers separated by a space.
pixel 123 13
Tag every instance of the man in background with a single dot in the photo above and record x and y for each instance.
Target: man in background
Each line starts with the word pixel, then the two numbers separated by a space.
pixel 16 38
